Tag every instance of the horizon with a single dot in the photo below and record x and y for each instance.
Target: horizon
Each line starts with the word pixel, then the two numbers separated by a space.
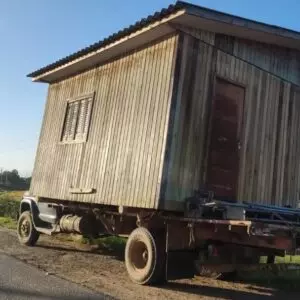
pixel 29 27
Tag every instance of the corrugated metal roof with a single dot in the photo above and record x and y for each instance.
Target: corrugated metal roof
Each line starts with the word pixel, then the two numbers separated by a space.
pixel 112 38
pixel 157 16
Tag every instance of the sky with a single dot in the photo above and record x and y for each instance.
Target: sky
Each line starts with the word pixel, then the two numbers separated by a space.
pixel 34 33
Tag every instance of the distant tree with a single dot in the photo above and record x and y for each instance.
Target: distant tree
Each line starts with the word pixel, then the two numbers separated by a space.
pixel 13 179
pixel 27 180
pixel 15 172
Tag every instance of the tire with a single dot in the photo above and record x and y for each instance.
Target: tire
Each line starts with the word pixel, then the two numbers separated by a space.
pixel 26 231
pixel 145 257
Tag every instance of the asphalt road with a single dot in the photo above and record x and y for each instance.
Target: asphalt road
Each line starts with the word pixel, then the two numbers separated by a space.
pixel 19 281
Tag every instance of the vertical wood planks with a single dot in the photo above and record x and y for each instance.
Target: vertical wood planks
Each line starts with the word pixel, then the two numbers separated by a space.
pixel 122 156
pixel 269 168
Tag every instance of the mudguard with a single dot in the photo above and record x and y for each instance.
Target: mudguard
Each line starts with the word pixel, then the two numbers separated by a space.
pixel 44 216
pixel 30 203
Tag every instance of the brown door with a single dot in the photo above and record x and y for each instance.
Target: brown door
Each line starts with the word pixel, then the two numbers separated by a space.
pixel 223 157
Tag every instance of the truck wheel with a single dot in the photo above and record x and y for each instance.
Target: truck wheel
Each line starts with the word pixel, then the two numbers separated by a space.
pixel 26 231
pixel 145 257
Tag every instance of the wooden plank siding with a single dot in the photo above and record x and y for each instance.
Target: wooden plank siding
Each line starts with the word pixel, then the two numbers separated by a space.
pixel 185 162
pixel 123 156
pixel 280 61
pixel 270 154
pixel 283 62
pixel 149 133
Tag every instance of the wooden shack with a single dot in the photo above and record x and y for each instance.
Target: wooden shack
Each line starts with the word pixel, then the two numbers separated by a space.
pixel 187 98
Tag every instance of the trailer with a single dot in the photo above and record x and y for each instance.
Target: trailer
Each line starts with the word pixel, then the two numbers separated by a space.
pixel 220 238
pixel 180 132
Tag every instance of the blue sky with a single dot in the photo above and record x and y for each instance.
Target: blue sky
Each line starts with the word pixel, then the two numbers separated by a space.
pixel 34 33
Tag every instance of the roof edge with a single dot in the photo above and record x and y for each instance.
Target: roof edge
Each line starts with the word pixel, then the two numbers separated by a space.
pixel 215 15
pixel 188 5
pixel 189 9
pixel 157 16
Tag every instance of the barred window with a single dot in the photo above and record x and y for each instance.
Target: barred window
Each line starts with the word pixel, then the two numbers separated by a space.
pixel 77 119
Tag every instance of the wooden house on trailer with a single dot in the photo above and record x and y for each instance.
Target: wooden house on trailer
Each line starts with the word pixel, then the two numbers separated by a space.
pixel 184 99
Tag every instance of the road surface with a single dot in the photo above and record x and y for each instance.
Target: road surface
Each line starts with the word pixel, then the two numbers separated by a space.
pixel 20 281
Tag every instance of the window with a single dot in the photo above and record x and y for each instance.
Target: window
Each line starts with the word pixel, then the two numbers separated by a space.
pixel 77 119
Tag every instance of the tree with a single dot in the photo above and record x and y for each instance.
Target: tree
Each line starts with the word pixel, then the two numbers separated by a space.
pixel 13 179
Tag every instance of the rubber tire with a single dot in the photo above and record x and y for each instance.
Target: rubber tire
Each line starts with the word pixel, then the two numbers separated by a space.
pixel 154 270
pixel 33 236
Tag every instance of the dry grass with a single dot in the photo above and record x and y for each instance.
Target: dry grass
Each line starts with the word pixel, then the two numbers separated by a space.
pixel 11 195
pixel 8 222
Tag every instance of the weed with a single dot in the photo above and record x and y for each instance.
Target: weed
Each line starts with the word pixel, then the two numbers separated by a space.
pixel 8 222
pixel 9 203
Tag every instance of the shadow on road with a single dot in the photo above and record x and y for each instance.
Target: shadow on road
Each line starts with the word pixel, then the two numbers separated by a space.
pixel 119 255
pixel 216 292
pixel 16 293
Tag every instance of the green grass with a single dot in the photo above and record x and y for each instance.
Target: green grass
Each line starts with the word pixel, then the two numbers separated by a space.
pixel 283 260
pixel 279 279
pixel 9 208
pixel 9 203
pixel 111 243
pixel 8 222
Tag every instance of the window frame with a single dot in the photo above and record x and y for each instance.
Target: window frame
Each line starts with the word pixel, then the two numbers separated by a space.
pixel 67 103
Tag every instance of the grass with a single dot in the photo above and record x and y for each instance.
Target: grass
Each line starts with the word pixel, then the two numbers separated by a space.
pixel 11 195
pixel 277 279
pixel 9 203
pixel 111 243
pixel 8 222
pixel 9 208
pixel 283 260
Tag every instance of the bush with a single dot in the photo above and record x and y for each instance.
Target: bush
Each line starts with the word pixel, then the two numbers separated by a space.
pixel 9 207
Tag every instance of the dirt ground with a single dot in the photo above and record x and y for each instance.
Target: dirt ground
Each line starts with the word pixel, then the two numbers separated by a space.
pixel 105 272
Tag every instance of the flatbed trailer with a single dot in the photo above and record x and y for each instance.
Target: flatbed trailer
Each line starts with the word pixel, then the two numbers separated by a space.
pixel 219 237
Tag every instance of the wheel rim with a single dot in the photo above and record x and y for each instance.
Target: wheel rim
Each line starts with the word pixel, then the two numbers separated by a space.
pixel 139 256
pixel 24 228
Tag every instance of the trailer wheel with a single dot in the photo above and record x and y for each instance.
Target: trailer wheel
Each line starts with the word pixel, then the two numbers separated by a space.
pixel 145 257
pixel 26 231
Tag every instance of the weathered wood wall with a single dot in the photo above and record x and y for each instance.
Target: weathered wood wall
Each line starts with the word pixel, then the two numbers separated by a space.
pixel 280 61
pixel 270 155
pixel 123 156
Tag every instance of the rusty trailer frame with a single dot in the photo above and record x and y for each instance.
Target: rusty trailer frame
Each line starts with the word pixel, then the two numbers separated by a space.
pixel 227 244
